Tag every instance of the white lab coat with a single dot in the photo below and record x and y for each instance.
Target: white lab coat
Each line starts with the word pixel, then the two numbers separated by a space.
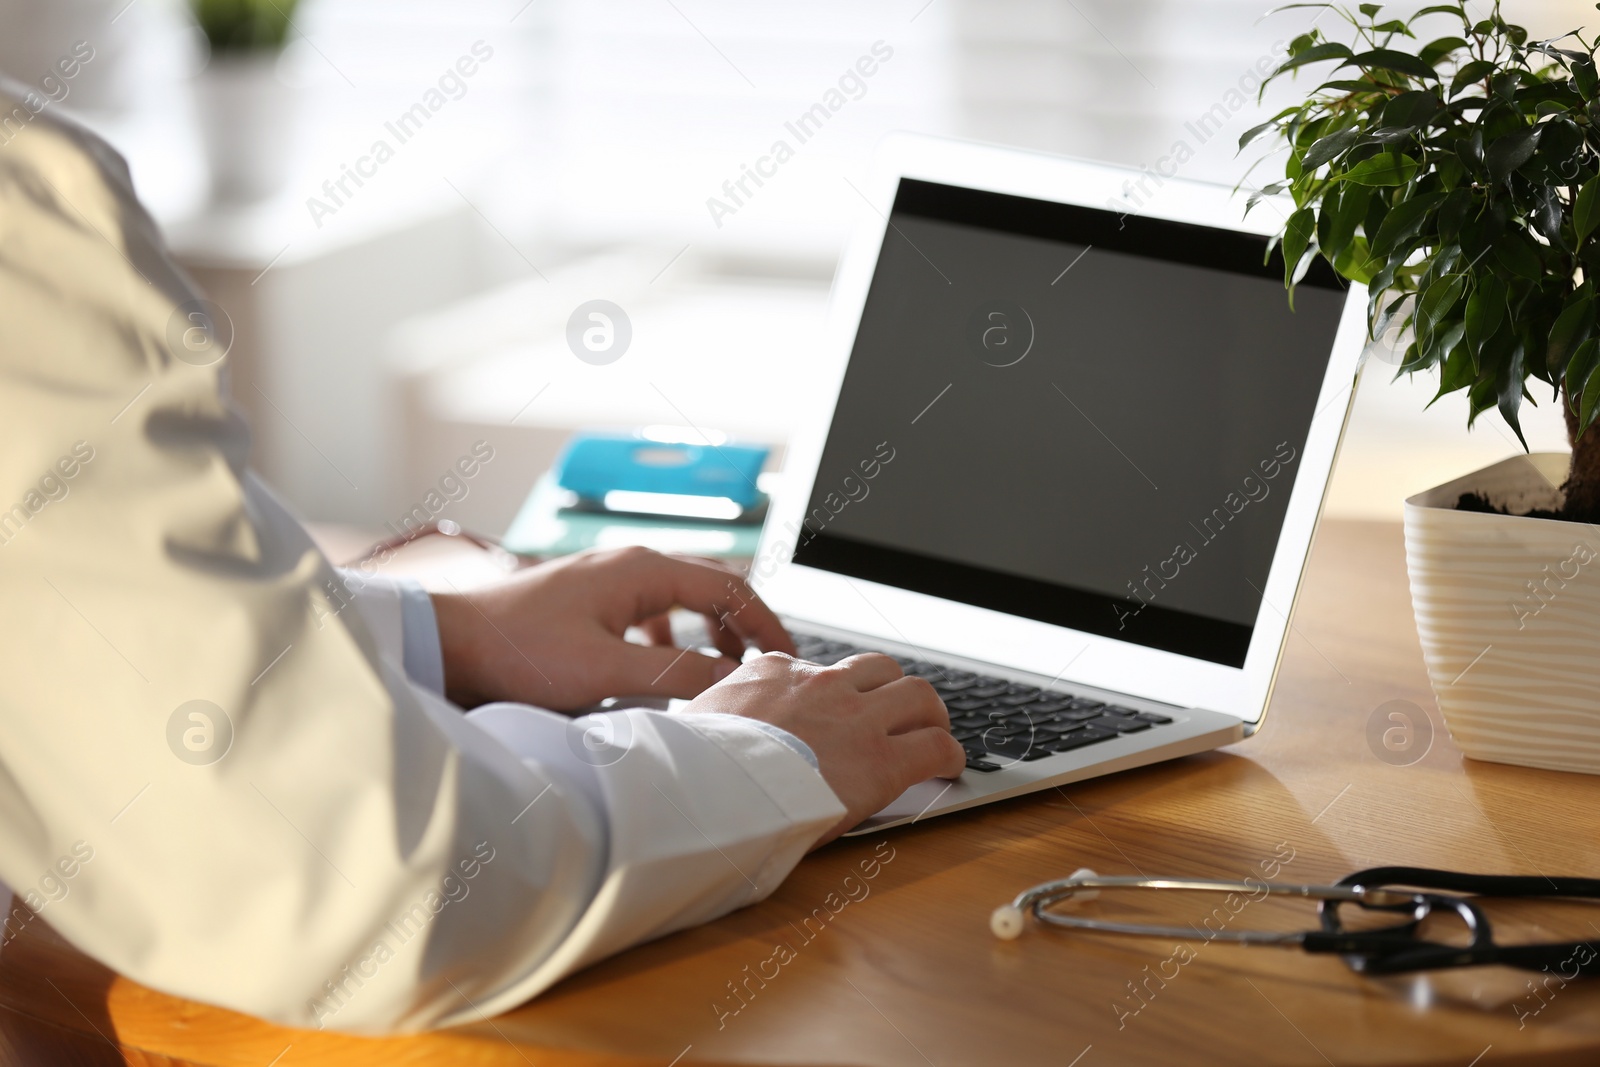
pixel 362 857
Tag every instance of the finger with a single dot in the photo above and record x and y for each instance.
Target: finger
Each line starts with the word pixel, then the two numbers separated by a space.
pixel 712 589
pixel 665 671
pixel 658 630
pixel 928 753
pixel 908 704
pixel 869 670
pixel 724 637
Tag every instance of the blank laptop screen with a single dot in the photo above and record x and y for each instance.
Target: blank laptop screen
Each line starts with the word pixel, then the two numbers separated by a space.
pixel 1073 416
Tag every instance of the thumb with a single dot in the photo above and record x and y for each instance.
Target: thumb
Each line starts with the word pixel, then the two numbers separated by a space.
pixel 671 672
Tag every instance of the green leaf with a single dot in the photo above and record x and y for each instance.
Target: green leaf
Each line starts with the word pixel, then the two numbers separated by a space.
pixel 1586 208
pixel 1354 262
pixel 1392 135
pixel 1572 328
pixel 1389 59
pixel 1513 251
pixel 1481 397
pixel 1433 346
pixel 1546 216
pixel 1583 76
pixel 1469 150
pixel 1404 220
pixel 1440 297
pixel 1349 85
pixel 1486 307
pixel 1511 394
pixel 1469 74
pixel 1296 239
pixel 1413 108
pixel 1580 368
pixel 1456 372
pixel 1434 51
pixel 1589 406
pixel 1370 10
pixel 1314 54
pixel 1352 208
pixel 1377 208
pixel 1326 211
pixel 1442 9
pixel 1384 169
pixel 1453 212
pixel 1504 83
pixel 1256 131
pixel 1508 153
pixel 1496 350
pixel 1397 306
pixel 1328 147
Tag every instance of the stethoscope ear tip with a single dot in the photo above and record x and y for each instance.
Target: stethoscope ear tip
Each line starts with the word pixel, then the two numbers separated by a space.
pixel 1005 922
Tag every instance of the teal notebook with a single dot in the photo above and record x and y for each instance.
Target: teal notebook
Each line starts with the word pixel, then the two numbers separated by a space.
pixel 541 528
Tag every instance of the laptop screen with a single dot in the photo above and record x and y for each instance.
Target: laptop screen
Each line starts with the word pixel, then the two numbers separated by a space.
pixel 1074 416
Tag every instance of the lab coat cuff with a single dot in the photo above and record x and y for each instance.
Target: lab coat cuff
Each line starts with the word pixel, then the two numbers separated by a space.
pixel 787 772
pixel 423 652
pixel 800 748
pixel 399 615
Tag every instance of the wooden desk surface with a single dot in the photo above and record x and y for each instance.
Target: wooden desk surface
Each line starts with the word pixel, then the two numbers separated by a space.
pixel 909 974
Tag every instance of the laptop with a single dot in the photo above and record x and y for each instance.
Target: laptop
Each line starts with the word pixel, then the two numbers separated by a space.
pixel 1072 448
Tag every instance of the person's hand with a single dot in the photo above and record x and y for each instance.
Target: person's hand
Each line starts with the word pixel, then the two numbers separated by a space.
pixel 552 635
pixel 875 732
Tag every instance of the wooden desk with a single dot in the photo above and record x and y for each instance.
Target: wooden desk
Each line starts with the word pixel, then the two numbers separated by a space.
pixel 910 974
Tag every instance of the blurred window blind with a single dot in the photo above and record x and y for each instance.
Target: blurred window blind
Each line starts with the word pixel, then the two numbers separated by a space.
pixel 597 123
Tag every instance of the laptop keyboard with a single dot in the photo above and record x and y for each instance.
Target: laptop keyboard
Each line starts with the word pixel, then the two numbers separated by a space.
pixel 1000 722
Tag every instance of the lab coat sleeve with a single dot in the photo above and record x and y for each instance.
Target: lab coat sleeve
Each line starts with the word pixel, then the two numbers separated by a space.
pixel 217 779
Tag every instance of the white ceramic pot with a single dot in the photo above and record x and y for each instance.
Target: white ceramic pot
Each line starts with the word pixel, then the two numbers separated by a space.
pixel 1508 610
pixel 247 119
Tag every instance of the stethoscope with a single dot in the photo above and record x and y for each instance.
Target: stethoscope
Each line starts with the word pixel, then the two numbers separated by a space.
pixel 1411 894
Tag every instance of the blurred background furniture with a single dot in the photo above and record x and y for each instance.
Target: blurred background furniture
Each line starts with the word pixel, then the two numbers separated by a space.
pixel 384 323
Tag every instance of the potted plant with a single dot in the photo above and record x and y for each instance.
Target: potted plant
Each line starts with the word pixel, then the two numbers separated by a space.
pixel 1456 174
pixel 246 113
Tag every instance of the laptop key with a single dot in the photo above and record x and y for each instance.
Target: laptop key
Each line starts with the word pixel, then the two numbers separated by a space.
pixel 1153 720
pixel 981 764
pixel 1117 724
pixel 946 685
pixel 966 704
pixel 1115 709
pixel 1079 738
pixel 1014 748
